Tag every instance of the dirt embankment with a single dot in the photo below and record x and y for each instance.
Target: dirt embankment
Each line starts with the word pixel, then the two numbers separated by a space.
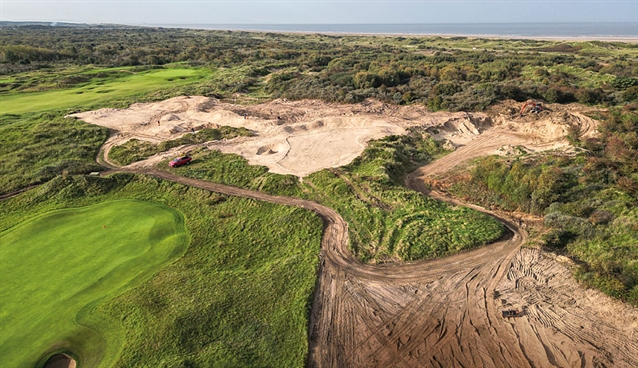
pixel 448 312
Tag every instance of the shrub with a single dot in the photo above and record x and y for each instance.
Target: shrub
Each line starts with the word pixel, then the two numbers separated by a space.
pixel 509 91
pixel 588 96
pixel 558 238
pixel 630 94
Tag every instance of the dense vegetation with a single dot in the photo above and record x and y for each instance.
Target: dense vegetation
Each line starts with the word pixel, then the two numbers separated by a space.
pixel 443 73
pixel 239 295
pixel 387 220
pixel 588 200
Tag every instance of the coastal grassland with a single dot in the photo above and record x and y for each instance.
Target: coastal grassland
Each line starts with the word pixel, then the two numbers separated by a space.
pixel 388 222
pixel 232 169
pixel 238 296
pixel 37 142
pixel 576 76
pixel 35 148
pixel 57 264
pixel 136 150
pixel 63 77
pixel 126 84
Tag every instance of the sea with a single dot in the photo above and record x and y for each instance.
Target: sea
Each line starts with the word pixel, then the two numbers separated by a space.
pixel 608 30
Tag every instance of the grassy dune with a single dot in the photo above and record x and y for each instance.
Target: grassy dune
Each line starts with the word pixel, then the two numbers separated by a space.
pixel 388 222
pixel 57 265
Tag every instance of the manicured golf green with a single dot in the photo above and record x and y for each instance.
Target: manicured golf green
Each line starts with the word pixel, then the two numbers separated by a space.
pixel 129 85
pixel 56 267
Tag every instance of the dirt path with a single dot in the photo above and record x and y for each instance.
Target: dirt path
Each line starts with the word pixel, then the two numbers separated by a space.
pixel 447 312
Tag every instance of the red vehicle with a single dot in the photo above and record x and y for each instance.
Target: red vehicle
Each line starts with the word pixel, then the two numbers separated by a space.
pixel 180 161
pixel 512 313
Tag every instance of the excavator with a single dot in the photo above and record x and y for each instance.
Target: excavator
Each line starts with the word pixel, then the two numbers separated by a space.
pixel 535 107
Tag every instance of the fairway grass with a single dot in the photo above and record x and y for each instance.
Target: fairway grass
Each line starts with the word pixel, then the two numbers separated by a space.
pixel 54 268
pixel 125 86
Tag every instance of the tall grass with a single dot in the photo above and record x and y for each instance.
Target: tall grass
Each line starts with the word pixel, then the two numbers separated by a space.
pixel 35 148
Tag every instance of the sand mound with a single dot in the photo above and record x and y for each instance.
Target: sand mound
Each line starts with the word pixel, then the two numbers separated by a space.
pixel 170 117
pixel 302 137
pixel 553 123
pixel 272 149
pixel 60 361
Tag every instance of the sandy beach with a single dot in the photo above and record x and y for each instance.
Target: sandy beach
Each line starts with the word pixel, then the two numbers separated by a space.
pixel 627 39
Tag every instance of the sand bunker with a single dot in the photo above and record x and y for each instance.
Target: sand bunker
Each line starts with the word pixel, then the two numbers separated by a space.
pixel 60 361
pixel 302 137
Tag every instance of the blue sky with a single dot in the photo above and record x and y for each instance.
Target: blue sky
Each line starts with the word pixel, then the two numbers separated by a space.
pixel 318 11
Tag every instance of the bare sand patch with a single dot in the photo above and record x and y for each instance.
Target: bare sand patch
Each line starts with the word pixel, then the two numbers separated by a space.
pixel 302 137
pixel 60 361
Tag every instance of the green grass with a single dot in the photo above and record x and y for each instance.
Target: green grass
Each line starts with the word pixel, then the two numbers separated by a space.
pixel 56 265
pixel 36 147
pixel 579 77
pixel 92 93
pixel 239 296
pixel 59 78
pixel 388 222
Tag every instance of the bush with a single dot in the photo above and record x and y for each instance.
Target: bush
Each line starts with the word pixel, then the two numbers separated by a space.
pixel 512 92
pixel 558 238
pixel 624 82
pixel 630 94
pixel 553 95
pixel 588 96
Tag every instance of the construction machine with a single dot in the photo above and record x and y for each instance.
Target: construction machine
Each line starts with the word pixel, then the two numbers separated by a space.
pixel 534 107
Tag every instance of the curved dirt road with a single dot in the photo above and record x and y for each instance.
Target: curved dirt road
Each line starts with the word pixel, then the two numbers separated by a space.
pixel 447 312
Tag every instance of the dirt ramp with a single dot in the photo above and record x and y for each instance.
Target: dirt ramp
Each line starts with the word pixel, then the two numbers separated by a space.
pixel 553 123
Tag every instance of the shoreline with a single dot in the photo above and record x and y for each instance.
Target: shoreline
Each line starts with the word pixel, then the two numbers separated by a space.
pixel 633 40
pixel 610 38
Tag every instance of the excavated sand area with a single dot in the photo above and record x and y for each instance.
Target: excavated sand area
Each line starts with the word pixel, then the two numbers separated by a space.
pixel 302 137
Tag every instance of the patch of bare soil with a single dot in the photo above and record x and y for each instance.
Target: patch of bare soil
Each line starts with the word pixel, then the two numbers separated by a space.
pixel 453 312
pixel 60 361
pixel 302 137
pixel 503 131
